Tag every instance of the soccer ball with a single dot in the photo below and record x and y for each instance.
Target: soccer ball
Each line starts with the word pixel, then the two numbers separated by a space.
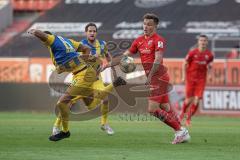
pixel 127 64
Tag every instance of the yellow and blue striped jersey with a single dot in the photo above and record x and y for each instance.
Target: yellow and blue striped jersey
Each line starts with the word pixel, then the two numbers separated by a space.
pixel 99 49
pixel 63 53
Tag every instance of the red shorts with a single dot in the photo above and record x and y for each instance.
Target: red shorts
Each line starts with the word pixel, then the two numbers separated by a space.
pixel 159 88
pixel 194 88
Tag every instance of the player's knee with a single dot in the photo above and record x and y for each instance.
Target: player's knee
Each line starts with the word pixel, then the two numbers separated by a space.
pixel 196 101
pixel 66 98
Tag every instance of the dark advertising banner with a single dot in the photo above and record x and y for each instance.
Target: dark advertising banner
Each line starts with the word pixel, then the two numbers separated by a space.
pixel 120 21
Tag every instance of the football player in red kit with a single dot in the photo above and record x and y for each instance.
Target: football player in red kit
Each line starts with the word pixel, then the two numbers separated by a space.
pixel 150 47
pixel 195 68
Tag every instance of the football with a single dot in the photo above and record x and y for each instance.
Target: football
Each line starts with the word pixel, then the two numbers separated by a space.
pixel 127 64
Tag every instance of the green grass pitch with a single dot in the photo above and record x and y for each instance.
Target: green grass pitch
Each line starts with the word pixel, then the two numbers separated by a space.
pixel 24 136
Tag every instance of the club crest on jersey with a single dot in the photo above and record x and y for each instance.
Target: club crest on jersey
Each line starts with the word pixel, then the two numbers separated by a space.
pixel 206 57
pixel 102 46
pixel 160 44
pixel 150 42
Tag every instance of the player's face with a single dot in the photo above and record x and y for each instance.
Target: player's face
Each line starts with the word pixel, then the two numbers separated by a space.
pixel 91 33
pixel 202 42
pixel 149 27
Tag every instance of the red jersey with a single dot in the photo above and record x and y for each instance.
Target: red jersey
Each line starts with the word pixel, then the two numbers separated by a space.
pixel 147 46
pixel 197 64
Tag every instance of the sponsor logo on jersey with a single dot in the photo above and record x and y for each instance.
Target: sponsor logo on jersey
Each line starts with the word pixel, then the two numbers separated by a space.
pixel 145 51
pixel 201 62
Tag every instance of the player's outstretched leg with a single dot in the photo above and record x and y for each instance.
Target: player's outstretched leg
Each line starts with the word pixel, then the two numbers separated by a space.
pixel 169 117
pixel 181 133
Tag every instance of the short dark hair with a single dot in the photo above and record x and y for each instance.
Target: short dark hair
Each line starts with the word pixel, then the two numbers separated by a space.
pixel 48 32
pixel 203 36
pixel 90 24
pixel 152 16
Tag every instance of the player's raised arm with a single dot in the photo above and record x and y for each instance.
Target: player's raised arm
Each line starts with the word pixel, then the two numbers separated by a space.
pixel 39 34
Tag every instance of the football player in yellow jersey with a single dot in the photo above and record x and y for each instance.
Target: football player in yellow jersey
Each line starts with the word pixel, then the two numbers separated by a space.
pixel 66 59
pixel 100 51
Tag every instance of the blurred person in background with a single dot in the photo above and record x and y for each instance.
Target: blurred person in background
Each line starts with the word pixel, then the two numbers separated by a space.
pixel 197 64
pixel 234 53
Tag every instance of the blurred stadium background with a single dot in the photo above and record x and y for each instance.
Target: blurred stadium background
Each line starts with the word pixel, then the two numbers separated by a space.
pixel 25 66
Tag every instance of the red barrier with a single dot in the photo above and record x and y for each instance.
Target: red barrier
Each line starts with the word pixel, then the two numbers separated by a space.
pixel 34 5
pixel 14 70
pixel 224 73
